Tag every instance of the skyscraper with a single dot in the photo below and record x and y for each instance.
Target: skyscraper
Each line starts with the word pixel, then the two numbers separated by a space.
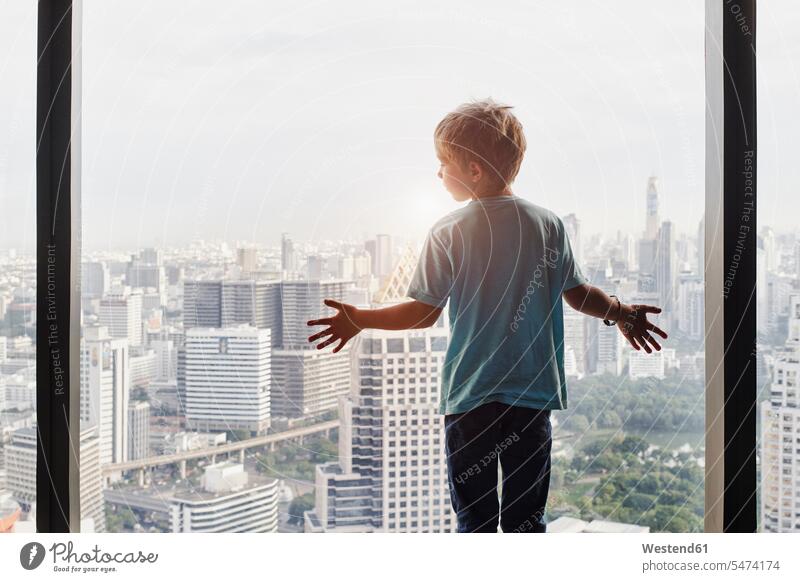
pixel 666 270
pixel 780 443
pixel 121 313
pixel 227 378
pixel 247 259
pixel 222 303
pixel 138 430
pixel 383 255
pixel 308 382
pixel 652 219
pixel 572 225
pixel 288 255
pixel 391 474
pixel 91 480
pixel 105 391
pixel 302 301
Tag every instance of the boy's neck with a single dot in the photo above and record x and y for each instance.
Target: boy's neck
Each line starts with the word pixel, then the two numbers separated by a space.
pixel 493 194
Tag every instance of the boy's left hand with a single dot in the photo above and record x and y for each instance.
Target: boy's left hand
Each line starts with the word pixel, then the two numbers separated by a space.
pixel 342 326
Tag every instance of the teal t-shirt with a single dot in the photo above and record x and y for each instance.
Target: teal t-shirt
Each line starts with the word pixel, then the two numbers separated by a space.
pixel 503 263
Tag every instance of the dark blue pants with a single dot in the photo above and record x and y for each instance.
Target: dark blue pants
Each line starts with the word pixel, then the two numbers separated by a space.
pixel 517 438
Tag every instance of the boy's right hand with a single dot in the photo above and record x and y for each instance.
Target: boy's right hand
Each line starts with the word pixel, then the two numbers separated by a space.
pixel 634 326
pixel 342 326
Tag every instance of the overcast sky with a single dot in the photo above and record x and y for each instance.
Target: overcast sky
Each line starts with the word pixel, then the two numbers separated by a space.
pixel 244 119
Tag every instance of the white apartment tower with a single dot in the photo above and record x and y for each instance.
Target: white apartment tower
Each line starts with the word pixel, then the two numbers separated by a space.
pixel 780 436
pixel 391 475
pixel 121 313
pixel 227 378
pixel 138 430
pixel 105 391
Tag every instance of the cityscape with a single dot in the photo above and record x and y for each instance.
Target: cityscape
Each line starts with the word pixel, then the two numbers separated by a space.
pixel 205 409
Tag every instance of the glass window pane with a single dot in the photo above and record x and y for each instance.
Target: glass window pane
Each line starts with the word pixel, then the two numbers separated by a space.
pixel 241 167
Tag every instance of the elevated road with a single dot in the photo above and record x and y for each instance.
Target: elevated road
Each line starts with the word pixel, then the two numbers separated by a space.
pixel 238 446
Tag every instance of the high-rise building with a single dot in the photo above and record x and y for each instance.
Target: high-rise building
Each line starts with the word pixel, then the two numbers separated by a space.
pixel 691 306
pixel 648 256
pixel 166 356
pixel 147 270
pixel 20 464
pixel 151 256
pixel 247 259
pixel 701 248
pixel 644 365
pixel 288 255
pixel 95 279
pixel 227 378
pixel 121 313
pixel 652 219
pixel 91 480
pixel 391 474
pixel 665 269
pixel 21 480
pixel 105 391
pixel 315 266
pixel 771 256
pixel 355 267
pixel 575 338
pixel 302 301
pixel 780 436
pixel 609 351
pixel 383 255
pixel 308 382
pixel 221 303
pixel 202 304
pixel 572 226
pixel 231 500
pixel 138 430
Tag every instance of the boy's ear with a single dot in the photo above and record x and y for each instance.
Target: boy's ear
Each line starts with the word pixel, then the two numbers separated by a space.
pixel 475 171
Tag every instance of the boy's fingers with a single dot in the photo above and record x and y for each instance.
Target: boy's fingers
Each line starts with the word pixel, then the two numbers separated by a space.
pixel 326 343
pixel 652 340
pixel 341 345
pixel 334 304
pixel 630 340
pixel 644 344
pixel 658 330
pixel 323 321
pixel 650 308
pixel 323 333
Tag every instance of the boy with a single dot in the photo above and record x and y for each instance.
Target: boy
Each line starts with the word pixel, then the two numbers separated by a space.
pixel 504 264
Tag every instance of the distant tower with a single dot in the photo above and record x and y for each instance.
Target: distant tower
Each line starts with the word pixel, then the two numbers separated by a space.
pixel 247 259
pixel 652 220
pixel 665 266
pixel 105 384
pixel 288 257
pixel 573 228
pixel 701 246
pixel 381 255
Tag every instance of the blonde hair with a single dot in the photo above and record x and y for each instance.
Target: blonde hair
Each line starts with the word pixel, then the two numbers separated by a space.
pixel 485 132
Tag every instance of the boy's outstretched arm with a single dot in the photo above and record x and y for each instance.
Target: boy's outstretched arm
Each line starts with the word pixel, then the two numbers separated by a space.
pixel 349 320
pixel 631 319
